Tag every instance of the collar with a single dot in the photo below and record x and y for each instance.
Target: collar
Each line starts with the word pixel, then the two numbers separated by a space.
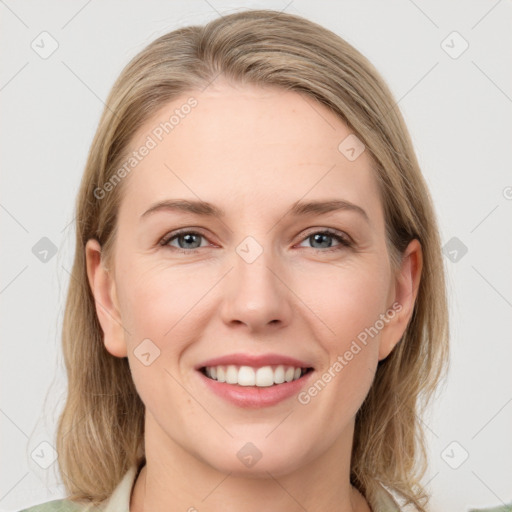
pixel 119 500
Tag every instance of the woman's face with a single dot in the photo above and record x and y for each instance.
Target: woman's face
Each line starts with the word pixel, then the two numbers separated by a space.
pixel 272 257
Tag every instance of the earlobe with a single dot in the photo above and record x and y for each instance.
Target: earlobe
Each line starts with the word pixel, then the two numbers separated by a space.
pixel 407 283
pixel 103 288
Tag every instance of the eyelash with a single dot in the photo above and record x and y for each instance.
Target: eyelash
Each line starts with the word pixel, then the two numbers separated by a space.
pixel 344 241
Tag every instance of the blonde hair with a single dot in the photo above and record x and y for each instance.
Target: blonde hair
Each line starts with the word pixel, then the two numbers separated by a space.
pixel 101 429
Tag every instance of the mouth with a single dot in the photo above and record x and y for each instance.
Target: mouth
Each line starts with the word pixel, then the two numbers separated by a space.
pixel 259 377
pixel 254 387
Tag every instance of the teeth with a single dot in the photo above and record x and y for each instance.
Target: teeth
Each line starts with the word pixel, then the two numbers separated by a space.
pixel 264 376
pixel 279 375
pixel 232 375
pixel 247 376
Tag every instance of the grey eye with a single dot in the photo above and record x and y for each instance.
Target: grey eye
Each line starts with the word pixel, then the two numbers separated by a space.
pixel 187 240
pixel 323 240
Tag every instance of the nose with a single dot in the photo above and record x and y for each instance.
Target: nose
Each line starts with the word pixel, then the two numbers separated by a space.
pixel 256 296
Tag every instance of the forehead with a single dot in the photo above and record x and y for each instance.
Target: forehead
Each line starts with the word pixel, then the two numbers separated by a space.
pixel 231 141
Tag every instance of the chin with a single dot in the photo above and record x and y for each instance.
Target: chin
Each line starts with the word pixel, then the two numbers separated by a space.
pixel 256 459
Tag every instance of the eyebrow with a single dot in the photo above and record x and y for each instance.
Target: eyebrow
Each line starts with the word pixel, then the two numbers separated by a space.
pixel 299 208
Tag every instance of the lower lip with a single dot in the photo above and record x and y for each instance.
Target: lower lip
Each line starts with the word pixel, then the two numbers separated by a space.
pixel 256 397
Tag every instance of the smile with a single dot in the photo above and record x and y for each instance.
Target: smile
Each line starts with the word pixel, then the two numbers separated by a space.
pixel 264 376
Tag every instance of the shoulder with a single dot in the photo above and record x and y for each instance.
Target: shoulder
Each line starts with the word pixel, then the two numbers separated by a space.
pixel 60 506
pixel 119 501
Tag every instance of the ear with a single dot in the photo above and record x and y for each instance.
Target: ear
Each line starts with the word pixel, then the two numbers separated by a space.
pixel 407 281
pixel 105 297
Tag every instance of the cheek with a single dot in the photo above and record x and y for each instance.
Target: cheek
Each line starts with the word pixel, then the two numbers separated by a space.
pixel 348 303
pixel 169 306
pixel 347 299
pixel 154 298
pixel 158 311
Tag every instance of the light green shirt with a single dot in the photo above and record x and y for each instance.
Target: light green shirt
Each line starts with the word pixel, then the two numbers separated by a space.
pixel 119 501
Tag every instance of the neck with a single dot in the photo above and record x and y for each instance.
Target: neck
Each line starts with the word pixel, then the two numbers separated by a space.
pixel 175 480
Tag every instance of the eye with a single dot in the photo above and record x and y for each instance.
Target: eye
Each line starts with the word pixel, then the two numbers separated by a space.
pixel 187 241
pixel 324 240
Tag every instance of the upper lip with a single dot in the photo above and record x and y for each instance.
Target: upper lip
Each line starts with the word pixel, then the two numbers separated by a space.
pixel 254 360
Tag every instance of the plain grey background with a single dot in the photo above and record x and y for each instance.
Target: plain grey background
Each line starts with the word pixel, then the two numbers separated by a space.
pixel 457 102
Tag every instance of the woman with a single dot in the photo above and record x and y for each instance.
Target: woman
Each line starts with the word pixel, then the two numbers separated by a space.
pixel 282 360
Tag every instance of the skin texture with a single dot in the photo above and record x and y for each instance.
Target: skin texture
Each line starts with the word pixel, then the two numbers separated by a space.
pixel 253 152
